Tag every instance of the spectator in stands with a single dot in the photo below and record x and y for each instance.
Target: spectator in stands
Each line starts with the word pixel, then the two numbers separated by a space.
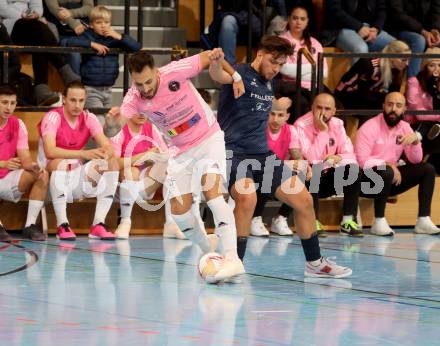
pixel 423 93
pixel 231 25
pixel 27 27
pixel 325 145
pixel 298 34
pixel 76 173
pixel 357 26
pixel 416 22
pixel 282 140
pixel 14 65
pixel 19 174
pixel 380 143
pixel 71 18
pixel 99 71
pixel 143 158
pixel 367 82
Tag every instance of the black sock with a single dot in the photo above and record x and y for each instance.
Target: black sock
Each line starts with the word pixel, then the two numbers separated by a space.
pixel 241 247
pixel 311 248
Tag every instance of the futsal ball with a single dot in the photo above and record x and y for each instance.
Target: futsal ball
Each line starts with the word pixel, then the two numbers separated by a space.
pixel 210 264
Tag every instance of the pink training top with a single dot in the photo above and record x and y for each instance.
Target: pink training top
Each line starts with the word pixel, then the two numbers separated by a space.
pixel 13 137
pixel 420 100
pixel 140 144
pixel 177 109
pixel 306 80
pixel 281 142
pixel 316 145
pixel 376 143
pixel 67 135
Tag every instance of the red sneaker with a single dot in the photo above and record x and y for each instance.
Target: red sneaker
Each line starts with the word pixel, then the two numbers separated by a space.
pixel 101 231
pixel 64 232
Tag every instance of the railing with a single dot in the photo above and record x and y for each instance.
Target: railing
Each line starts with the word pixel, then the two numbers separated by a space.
pixel 319 85
pixel 5 50
pixel 306 53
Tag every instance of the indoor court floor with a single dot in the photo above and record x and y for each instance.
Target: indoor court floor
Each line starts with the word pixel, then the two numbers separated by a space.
pixel 147 291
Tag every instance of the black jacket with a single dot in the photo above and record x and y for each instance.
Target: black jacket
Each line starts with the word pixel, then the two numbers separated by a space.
pixel 413 15
pixel 340 14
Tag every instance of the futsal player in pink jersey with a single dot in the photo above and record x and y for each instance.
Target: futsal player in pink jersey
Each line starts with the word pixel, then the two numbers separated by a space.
pixel 19 174
pixel 65 132
pixel 143 158
pixel 169 100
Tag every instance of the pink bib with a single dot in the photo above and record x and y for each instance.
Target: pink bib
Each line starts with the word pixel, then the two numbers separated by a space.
pixel 280 146
pixel 8 142
pixel 139 145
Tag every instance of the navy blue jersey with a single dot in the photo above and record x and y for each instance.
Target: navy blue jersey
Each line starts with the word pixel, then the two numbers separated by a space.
pixel 244 120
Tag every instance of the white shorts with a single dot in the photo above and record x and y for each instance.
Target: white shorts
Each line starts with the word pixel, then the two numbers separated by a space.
pixel 78 186
pixel 186 170
pixel 9 186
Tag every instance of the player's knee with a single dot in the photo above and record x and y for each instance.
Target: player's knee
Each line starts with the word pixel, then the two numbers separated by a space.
pixel 246 202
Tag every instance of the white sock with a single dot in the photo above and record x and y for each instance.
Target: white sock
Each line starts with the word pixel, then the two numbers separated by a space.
pixel 223 216
pixel 128 193
pixel 380 220
pixel 58 193
pixel 34 208
pixel 189 226
pixel 423 219
pixel 168 217
pixel 106 191
pixel 316 263
pixel 347 218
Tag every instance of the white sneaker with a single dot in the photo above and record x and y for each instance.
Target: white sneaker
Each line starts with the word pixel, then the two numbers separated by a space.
pixel 171 230
pixel 380 227
pixel 231 268
pixel 326 269
pixel 257 227
pixel 425 225
pixel 123 230
pixel 280 226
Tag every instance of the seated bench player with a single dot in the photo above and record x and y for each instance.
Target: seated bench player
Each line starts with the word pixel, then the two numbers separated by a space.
pixel 76 173
pixel 19 174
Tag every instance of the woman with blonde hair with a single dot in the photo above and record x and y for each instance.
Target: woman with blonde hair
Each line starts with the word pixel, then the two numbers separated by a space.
pixel 367 82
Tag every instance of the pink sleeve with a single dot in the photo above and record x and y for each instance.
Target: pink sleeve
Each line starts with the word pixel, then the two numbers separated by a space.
pixel 93 124
pixel 50 124
pixel 116 142
pixel 345 147
pixel 22 142
pixel 294 142
pixel 414 153
pixel 363 148
pixel 158 139
pixel 185 68
pixel 415 101
pixel 313 151
pixel 129 107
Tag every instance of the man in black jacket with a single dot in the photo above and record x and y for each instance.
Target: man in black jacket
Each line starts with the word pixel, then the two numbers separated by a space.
pixel 416 22
pixel 357 25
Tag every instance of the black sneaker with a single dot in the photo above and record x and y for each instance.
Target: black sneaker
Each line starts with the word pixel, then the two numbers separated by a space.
pixel 433 132
pixel 351 228
pixel 4 236
pixel 34 232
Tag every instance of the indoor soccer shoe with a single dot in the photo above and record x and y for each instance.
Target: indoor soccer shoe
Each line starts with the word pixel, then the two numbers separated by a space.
pixel 258 229
pixel 326 269
pixel 100 231
pixel 351 228
pixel 33 232
pixel 64 232
pixel 320 229
pixel 228 270
pixel 426 226
pixel 123 230
pixel 280 226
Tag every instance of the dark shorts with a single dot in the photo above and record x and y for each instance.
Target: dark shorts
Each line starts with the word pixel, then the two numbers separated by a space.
pixel 266 170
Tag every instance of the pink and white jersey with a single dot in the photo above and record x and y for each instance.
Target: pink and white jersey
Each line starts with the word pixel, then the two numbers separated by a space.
pixel 281 142
pixel 177 109
pixel 73 136
pixel 127 143
pixel 306 73
pixel 13 137
pixel 316 145
pixel 418 99
pixel 376 143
